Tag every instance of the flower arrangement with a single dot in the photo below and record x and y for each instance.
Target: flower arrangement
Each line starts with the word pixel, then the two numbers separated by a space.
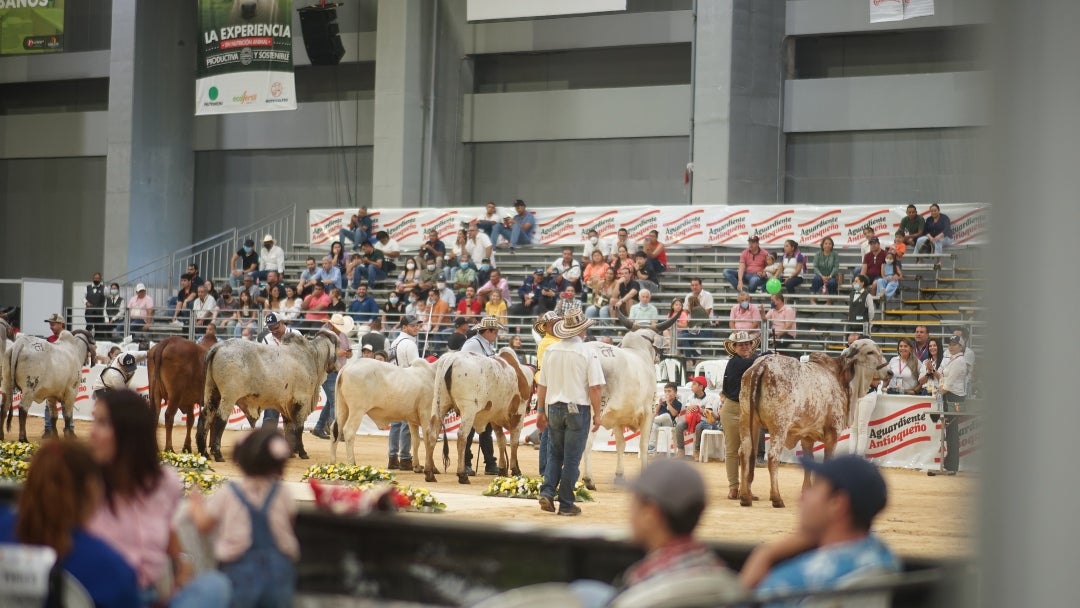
pixel 194 471
pixel 351 474
pixel 186 462
pixel 529 487
pixel 17 450
pixel 422 500
pixel 13 469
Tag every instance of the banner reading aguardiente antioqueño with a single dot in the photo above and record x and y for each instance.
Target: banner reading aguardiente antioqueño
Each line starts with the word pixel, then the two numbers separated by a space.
pixel 245 57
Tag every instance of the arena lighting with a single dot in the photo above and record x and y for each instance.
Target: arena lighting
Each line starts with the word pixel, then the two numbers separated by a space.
pixel 322 39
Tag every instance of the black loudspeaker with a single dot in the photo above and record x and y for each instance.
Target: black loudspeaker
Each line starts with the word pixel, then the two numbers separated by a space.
pixel 321 37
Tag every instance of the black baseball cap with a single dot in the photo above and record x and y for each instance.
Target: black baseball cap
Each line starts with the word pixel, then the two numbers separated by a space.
pixel 249 243
pixel 874 239
pixel 459 321
pixel 955 340
pixel 856 477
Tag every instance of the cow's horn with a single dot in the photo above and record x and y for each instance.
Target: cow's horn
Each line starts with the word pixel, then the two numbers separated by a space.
pixel 627 323
pixel 662 325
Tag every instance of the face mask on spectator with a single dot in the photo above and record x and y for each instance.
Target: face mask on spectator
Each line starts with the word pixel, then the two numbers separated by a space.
pixel 114 292
pixel 484 266
pixel 744 304
pixel 410 265
pixel 247 249
pixel 463 265
pixel 856 285
pixel 594 239
pixel 441 285
pixel 412 300
pixel 393 299
pixel 431 267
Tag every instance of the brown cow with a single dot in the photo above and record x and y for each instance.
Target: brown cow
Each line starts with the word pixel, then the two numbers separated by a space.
pixel 176 368
pixel 801 402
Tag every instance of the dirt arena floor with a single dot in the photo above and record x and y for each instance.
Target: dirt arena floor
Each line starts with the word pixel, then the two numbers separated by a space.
pixel 926 516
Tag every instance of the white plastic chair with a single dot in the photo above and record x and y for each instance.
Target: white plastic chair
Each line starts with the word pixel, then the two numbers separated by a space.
pixel 712 442
pixel 543 595
pixel 683 590
pixel 669 370
pixel 664 440
pixel 713 370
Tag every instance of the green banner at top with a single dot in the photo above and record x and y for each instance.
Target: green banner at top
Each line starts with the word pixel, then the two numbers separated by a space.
pixel 31 26
pixel 245 57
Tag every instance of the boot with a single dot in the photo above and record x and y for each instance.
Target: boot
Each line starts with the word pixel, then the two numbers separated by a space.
pixel 393 464
pixel 406 465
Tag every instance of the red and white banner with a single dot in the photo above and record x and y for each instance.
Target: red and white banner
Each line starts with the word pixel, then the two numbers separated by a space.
pixel 726 226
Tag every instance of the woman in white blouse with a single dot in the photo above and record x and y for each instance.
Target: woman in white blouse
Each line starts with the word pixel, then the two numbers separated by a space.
pixel 289 306
pixel 909 374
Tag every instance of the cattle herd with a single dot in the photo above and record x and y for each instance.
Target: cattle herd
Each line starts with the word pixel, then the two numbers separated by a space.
pixel 799 402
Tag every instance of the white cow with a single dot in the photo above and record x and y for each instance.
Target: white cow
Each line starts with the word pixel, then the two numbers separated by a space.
pixel 385 392
pixel 45 372
pixel 484 390
pixel 630 389
pixel 260 376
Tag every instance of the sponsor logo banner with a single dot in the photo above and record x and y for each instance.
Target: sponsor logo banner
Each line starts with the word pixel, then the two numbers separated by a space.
pixel 245 61
pixel 31 27
pixel 718 225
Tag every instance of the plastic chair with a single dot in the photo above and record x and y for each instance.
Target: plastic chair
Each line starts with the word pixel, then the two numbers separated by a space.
pixel 712 442
pixel 543 595
pixel 683 590
pixel 665 440
pixel 713 370
pixel 669 370
pixel 74 594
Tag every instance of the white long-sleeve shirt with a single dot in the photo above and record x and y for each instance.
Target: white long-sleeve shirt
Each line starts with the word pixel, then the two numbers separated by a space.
pixel 274 259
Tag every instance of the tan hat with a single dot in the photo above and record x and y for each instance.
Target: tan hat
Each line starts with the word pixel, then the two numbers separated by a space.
pixel 268 239
pixel 738 337
pixel 548 317
pixel 55 318
pixel 342 323
pixel 487 323
pixel 572 324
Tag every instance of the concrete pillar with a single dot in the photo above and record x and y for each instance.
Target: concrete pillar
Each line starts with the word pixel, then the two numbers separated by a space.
pixel 738 151
pixel 450 168
pixel 150 163
pixel 399 104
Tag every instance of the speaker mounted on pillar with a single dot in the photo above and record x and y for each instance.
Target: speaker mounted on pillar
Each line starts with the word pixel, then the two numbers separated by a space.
pixel 321 37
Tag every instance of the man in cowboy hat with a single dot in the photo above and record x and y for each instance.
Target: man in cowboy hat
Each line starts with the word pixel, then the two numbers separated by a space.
pixel 482 343
pixel 570 385
pixel 740 345
pixel 342 326
pixel 542 327
pixel 56 325
pixel 276 333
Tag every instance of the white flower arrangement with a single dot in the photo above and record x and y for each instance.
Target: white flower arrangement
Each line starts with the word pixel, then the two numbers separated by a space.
pixel 529 488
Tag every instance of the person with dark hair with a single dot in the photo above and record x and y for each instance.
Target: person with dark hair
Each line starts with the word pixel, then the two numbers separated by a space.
pixel 668 501
pixel 912 227
pixel 180 302
pixel 668 411
pixel 141 499
pixel 835 515
pixel 938 233
pixel 63 488
pixel 792 265
pixel 861 304
pixel 255 542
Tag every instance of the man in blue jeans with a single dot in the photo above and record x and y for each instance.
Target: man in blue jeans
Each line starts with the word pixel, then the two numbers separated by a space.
pixel 342 326
pixel 358 230
pixel 570 384
pixel 521 229
pixel 750 275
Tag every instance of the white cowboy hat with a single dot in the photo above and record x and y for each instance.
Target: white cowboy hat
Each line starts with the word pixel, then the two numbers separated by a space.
pixel 738 337
pixel 548 317
pixel 342 323
pixel 487 323
pixel 572 324
pixel 268 238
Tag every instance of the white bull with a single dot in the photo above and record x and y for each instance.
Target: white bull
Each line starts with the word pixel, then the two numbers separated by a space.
pixel 629 390
pixel 385 392
pixel 484 390
pixel 261 376
pixel 45 372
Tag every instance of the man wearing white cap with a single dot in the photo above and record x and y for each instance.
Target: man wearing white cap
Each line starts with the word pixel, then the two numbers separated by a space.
pixel 272 258
pixel 275 334
pixel 140 308
pixel 403 352
pixel 342 326
pixel 483 344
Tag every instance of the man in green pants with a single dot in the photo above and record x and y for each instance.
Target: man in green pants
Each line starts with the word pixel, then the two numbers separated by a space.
pixel 741 346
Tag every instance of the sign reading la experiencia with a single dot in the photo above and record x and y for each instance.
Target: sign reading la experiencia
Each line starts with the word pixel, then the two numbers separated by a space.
pixel 245 57
pixel 31 26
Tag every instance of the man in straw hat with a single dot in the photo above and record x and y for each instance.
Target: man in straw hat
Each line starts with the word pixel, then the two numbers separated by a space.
pixel 542 327
pixel 482 343
pixel 342 326
pixel 571 381
pixel 741 346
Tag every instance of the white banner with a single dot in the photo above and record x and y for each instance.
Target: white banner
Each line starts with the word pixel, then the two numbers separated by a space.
pixel 489 10
pixel 678 226
pixel 899 10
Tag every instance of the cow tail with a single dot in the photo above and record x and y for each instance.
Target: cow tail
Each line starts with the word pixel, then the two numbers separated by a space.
pixel 7 366
pixel 153 369
pixel 209 386
pixel 448 383
pixel 753 398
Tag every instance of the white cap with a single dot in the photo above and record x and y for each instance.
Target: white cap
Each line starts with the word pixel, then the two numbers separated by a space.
pixel 140 287
pixel 267 238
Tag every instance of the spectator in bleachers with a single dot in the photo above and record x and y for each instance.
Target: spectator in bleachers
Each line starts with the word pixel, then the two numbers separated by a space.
pixel 272 258
pixel 644 310
pixel 203 309
pixel 140 309
pixel 932 364
pixel 781 319
pixel 329 274
pixel 358 230
pixel 248 285
pixel 248 260
pixel 390 250
pixel 464 276
pixel 668 410
pixel 750 274
pixel 528 303
pixel 483 271
pixel 743 315
pixel 550 289
pixel 114 311
pixel 496 307
pixel 409 277
pixel 706 406
pixel 429 274
pixel 273 279
pixel 521 227
pixel 210 289
pixel 469 305
pixel 603 292
pixel 438 321
pixel 594 243
pixel 446 292
pixel 864 248
pixel 938 232
pixel 622 239
pixel 909 374
pixel 307 277
pixel 645 274
pixel 414 302
pixel 567 300
pixel 891 274
pixel 433 249
pixel 453 253
pixel 656 253
pixel 363 308
pixel 793 264
pixel 872 263
pixel 315 306
pixel 340 260
pixel 479 246
pixel 922 342
pixel 181 302
pixel 564 262
pixel 289 307
pixel 628 293
pixel 912 227
pixel 595 269
pixel 246 313
pixel 495 282
pixel 677 310
pixel 337 300
pixel 773 268
pixel 704 298
pixel 826 270
pixel 393 309
pixel 193 273
pixel 698 329
pixel 227 304
pixel 861 304
pixel 488 219
pixel 622 259
pixel 373 266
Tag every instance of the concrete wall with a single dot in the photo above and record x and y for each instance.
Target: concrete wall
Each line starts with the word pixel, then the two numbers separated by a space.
pixel 806 17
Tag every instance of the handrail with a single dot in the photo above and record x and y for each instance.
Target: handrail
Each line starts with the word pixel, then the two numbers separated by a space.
pixel 153 266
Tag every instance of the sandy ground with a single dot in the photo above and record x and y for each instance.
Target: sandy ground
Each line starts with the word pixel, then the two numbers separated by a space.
pixel 926 516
